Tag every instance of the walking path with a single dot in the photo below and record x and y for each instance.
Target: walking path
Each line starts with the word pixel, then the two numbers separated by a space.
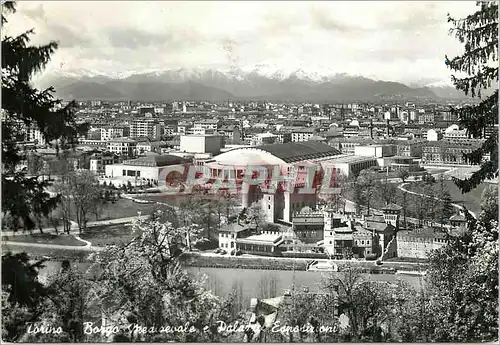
pixel 88 247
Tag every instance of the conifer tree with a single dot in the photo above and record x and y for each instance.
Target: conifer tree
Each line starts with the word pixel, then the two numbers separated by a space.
pixel 24 198
pixel 479 63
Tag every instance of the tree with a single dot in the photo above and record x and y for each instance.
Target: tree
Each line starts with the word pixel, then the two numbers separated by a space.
pixel 479 62
pixel 427 178
pixel 444 207
pixel 23 107
pixel 403 174
pixel 366 303
pixel 143 280
pixel 387 192
pixel 462 279
pixel 418 203
pixel 404 202
pixel 35 164
pixel 368 184
pixel 85 194
pixel 430 202
pixel 70 302
pixel 256 215
pixel 489 204
pixel 338 198
pixel 358 196
pixel 79 190
pixel 21 294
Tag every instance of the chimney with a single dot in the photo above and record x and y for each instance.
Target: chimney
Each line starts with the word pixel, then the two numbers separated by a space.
pixel 387 128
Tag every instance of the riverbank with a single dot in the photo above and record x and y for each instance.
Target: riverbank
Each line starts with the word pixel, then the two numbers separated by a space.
pixel 289 264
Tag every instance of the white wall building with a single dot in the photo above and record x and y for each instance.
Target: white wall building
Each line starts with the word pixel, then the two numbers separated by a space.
pixel 111 133
pixel 149 128
pixel 148 168
pixel 98 162
pixel 374 150
pixel 208 126
pixel 302 134
pixel 433 135
pixel 121 146
pixel 202 143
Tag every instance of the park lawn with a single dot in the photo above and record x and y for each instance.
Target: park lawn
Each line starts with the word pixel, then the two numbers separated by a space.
pixel 63 239
pixel 170 199
pixel 173 200
pixel 39 253
pixel 471 200
pixel 101 236
pixel 123 208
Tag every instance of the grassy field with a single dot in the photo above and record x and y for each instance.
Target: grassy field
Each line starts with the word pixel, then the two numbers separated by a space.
pixel 54 253
pixel 471 200
pixel 66 240
pixel 170 199
pixel 122 208
pixel 109 234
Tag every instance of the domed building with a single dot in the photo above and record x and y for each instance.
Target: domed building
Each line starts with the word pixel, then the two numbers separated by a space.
pixel 262 164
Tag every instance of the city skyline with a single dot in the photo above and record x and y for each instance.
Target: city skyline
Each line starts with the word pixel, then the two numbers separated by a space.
pixel 385 40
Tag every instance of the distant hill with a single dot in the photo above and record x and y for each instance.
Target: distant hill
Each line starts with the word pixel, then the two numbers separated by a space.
pixel 214 85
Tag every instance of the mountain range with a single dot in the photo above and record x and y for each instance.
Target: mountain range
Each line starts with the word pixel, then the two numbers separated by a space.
pixel 217 85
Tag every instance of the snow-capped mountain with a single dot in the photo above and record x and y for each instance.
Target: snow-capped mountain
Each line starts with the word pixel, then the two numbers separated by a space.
pixel 264 81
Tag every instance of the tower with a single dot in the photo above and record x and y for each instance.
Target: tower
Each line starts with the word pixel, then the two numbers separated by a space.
pixel 391 214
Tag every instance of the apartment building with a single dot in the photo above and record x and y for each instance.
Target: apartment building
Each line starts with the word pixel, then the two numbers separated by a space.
pixel 122 146
pixel 302 134
pixel 264 139
pixel 98 162
pixel 185 128
pixel 409 148
pixel 149 128
pixel 448 152
pixel 108 133
pixel 231 133
pixel 208 126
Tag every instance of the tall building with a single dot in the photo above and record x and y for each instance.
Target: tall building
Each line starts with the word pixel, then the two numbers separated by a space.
pixel 149 128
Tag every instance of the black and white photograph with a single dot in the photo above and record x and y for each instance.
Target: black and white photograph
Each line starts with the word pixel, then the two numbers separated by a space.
pixel 249 172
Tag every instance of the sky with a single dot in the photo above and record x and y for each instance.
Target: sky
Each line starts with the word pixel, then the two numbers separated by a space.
pixel 385 40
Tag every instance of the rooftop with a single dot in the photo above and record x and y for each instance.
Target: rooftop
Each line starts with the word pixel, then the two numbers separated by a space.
pixel 155 161
pixel 235 227
pixel 211 121
pixel 262 238
pixel 299 151
pixel 348 159
pixel 122 140
pixel 392 207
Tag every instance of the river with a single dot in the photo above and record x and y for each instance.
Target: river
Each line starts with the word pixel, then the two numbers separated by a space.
pixel 250 283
